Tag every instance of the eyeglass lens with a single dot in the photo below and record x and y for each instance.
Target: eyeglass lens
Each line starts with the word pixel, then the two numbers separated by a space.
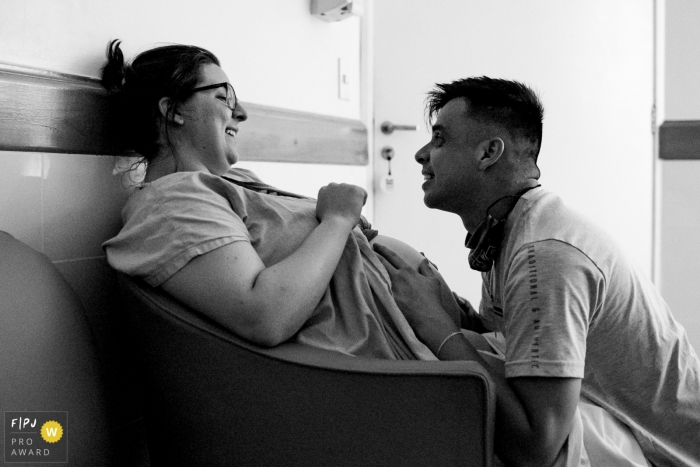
pixel 231 100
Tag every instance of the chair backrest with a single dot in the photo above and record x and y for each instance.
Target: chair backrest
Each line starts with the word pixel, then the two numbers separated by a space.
pixel 213 399
pixel 48 360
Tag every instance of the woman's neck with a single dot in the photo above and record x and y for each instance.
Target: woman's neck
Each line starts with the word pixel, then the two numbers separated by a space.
pixel 160 166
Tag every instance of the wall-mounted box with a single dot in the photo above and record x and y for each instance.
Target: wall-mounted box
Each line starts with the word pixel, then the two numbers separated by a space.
pixel 336 10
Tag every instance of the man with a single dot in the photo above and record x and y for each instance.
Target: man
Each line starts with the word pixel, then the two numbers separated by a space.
pixel 579 319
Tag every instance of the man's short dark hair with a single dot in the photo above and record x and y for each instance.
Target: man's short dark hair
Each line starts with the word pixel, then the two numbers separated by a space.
pixel 510 104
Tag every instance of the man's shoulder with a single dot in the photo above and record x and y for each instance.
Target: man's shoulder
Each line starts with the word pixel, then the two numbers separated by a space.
pixel 540 203
pixel 542 216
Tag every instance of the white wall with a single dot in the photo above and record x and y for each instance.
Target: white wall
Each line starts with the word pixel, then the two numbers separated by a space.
pixel 274 52
pixel 592 63
pixel 678 90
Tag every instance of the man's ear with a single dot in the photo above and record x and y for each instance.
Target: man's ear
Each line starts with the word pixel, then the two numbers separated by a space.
pixel 175 116
pixel 490 151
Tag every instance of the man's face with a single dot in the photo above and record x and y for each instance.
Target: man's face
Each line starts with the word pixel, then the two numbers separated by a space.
pixel 450 160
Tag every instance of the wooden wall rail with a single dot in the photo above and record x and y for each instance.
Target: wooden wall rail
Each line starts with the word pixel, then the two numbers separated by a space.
pixel 42 111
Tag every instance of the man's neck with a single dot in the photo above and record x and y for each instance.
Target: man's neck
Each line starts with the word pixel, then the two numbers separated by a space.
pixel 498 205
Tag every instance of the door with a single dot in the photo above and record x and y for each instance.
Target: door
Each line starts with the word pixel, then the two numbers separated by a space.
pixel 592 64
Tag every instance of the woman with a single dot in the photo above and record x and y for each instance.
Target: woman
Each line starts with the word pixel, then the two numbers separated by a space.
pixel 264 263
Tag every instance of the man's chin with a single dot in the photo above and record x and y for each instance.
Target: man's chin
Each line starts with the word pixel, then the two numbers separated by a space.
pixel 433 202
pixel 429 202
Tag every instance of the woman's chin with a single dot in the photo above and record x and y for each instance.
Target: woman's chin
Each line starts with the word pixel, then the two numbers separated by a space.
pixel 232 158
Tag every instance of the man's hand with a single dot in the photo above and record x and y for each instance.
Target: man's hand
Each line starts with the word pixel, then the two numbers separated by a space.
pixel 423 297
pixel 469 318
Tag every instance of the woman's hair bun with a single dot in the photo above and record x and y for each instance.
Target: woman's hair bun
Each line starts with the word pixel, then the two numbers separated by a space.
pixel 115 70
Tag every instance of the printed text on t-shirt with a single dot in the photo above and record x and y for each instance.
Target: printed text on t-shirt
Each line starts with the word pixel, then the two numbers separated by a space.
pixel 535 311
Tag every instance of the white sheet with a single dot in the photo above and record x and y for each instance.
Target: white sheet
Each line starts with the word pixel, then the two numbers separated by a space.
pixel 609 442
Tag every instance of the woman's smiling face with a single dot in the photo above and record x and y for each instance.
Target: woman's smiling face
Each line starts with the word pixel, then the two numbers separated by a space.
pixel 209 128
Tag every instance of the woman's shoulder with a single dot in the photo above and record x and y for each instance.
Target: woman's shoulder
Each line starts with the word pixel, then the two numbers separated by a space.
pixel 194 199
pixel 243 175
pixel 197 180
pixel 183 185
pixel 179 179
pixel 175 192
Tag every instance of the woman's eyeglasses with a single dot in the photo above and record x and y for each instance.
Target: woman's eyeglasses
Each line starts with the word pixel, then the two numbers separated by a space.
pixel 231 100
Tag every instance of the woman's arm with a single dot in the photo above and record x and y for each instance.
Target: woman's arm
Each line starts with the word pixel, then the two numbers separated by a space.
pixel 268 305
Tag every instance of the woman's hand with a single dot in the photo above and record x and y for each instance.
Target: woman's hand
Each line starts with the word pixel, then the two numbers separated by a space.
pixel 340 201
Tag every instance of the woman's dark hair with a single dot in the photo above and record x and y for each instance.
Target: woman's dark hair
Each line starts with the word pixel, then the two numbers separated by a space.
pixel 137 87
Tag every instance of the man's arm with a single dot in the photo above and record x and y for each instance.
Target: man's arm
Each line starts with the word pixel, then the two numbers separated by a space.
pixel 534 414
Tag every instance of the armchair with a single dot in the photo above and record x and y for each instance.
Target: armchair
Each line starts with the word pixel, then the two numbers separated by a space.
pixel 213 399
pixel 48 357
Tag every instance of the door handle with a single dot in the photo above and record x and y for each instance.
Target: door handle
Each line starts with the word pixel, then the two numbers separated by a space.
pixel 388 128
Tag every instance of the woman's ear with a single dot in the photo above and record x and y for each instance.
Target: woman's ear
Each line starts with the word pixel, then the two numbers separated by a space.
pixel 174 116
pixel 490 151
